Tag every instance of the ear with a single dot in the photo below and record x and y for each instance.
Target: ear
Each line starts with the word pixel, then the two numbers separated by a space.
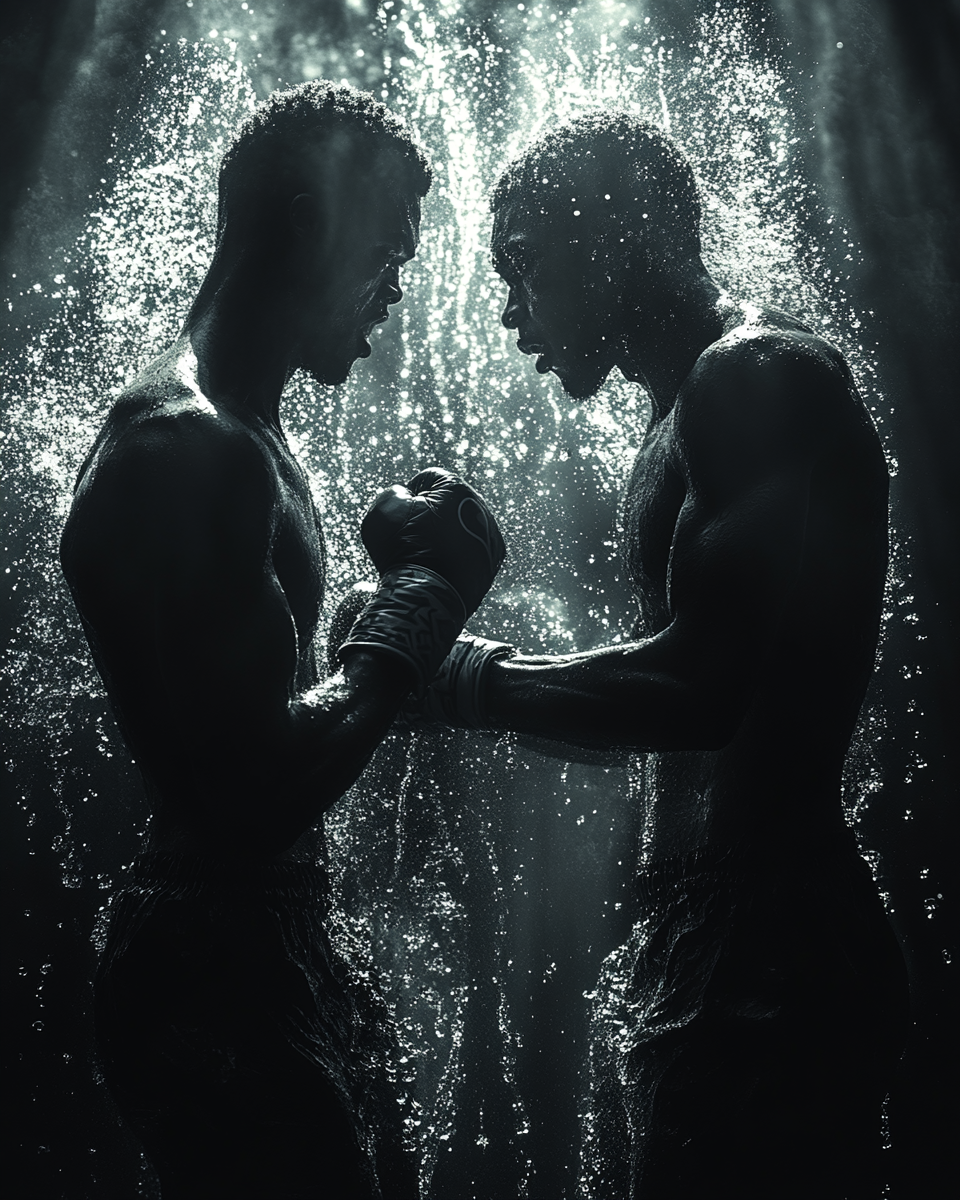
pixel 305 214
pixel 629 252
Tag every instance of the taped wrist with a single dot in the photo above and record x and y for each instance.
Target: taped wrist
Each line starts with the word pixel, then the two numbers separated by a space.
pixel 456 696
pixel 415 615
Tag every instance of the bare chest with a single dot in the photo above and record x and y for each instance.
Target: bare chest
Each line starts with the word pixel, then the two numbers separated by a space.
pixel 655 495
pixel 298 557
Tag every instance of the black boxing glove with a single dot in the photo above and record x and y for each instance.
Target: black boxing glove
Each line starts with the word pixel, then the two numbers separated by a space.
pixel 438 549
pixel 439 522
pixel 456 694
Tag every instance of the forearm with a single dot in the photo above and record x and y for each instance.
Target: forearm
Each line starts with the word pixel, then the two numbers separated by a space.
pixel 628 697
pixel 335 728
pixel 254 782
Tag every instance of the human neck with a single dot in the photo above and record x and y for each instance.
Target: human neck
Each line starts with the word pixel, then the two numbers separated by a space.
pixel 669 328
pixel 241 341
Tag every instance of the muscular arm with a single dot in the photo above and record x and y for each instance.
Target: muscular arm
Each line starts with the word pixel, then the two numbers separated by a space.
pixel 749 427
pixel 169 552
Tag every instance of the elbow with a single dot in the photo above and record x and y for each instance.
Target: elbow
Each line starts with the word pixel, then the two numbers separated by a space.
pixel 712 717
pixel 683 698
pixel 700 717
pixel 715 734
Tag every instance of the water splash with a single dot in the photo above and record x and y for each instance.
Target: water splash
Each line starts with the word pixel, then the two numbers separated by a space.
pixel 445 878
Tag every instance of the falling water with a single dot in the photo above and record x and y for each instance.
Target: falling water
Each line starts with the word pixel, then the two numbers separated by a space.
pixel 487 883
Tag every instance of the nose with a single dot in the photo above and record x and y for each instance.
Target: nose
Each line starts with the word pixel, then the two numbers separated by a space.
pixel 511 314
pixel 392 293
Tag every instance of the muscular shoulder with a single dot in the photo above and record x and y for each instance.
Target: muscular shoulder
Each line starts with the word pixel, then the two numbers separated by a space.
pixel 168 469
pixel 161 438
pixel 768 394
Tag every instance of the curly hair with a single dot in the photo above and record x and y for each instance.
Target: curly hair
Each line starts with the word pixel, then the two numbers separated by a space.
pixel 610 166
pixel 317 126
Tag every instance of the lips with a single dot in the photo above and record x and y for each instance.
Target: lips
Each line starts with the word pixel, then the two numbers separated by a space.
pixel 544 361
pixel 366 328
pixel 376 319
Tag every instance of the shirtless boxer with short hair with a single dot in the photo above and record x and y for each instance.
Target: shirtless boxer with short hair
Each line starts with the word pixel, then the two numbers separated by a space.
pixel 251 1060
pixel 765 1001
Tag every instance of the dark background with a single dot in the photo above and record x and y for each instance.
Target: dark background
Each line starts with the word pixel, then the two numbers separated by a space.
pixel 884 153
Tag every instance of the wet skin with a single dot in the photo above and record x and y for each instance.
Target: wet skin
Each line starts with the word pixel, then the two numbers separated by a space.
pixel 195 555
pixel 755 538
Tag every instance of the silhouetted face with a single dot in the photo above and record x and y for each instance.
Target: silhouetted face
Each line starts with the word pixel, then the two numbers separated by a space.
pixel 350 275
pixel 562 302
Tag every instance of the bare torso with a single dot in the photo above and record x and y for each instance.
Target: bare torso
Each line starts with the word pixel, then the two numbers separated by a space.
pixel 780 776
pixel 112 566
pixel 756 543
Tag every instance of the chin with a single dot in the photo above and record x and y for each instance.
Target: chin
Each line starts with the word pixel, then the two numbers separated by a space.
pixel 328 369
pixel 583 382
pixel 328 374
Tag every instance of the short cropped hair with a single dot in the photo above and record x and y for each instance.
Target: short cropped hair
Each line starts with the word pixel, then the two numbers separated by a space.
pixel 333 128
pixel 612 166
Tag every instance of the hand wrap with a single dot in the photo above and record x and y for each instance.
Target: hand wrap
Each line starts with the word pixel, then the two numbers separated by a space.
pixel 456 695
